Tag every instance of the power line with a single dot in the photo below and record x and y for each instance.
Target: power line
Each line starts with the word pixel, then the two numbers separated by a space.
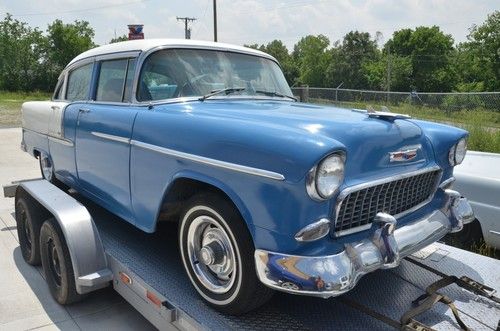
pixel 79 10
pixel 187 30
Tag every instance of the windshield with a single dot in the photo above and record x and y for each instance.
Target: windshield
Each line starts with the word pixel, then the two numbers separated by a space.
pixel 175 73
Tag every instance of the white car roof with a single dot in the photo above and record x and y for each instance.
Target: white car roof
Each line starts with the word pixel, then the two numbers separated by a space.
pixel 148 44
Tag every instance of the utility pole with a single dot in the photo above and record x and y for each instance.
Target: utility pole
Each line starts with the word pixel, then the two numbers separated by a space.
pixel 187 30
pixel 215 20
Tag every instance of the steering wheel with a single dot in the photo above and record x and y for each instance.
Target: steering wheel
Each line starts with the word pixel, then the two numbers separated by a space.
pixel 191 84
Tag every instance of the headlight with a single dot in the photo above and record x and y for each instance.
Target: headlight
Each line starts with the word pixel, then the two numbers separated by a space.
pixel 457 152
pixel 325 179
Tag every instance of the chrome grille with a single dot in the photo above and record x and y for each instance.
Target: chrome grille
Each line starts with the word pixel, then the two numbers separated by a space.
pixel 358 208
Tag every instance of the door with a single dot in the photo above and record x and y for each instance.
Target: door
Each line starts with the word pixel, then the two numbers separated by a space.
pixel 103 132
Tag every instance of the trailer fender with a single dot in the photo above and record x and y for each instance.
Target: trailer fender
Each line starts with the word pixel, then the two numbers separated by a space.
pixel 82 237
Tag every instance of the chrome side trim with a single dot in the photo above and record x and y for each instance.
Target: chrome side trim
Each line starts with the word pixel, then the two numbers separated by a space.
pixel 63 141
pixel 355 188
pixel 111 137
pixel 209 161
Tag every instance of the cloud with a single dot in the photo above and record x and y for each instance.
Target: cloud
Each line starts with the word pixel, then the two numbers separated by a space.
pixel 260 21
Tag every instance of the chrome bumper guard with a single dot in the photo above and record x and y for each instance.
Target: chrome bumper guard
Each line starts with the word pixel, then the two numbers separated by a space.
pixel 327 276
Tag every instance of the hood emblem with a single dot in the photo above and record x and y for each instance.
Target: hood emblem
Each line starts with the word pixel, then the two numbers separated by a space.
pixel 403 156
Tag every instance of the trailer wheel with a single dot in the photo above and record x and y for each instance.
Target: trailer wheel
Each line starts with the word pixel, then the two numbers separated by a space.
pixel 218 255
pixel 29 218
pixel 56 263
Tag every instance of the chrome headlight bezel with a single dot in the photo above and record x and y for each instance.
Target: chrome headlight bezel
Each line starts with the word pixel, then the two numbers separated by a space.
pixel 316 192
pixel 457 152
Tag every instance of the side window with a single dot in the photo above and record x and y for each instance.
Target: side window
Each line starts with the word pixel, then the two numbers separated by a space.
pixel 79 83
pixel 127 95
pixel 112 80
pixel 156 81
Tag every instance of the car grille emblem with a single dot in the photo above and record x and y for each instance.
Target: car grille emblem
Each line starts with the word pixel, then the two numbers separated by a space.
pixel 403 156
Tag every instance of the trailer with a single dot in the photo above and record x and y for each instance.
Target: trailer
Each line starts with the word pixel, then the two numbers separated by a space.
pixel 437 288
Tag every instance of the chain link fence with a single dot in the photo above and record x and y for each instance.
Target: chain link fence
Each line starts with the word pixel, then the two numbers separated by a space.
pixel 360 98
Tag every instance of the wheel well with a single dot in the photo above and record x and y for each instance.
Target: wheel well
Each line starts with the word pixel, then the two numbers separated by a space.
pixel 181 190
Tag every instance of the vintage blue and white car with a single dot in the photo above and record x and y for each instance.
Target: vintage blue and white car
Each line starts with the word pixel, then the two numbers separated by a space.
pixel 209 135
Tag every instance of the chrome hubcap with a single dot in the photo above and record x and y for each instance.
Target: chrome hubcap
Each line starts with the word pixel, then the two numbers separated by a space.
pixel 211 254
pixel 46 166
pixel 289 286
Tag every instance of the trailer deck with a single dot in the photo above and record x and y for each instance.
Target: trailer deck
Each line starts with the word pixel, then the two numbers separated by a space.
pixel 155 259
pixel 148 273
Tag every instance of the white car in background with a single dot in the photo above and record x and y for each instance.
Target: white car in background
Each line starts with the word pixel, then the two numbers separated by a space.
pixel 478 178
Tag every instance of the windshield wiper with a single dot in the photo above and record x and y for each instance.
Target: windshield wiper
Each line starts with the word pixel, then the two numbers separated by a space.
pixel 276 94
pixel 225 91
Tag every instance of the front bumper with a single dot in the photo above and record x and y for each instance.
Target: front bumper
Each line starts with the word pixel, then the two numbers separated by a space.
pixel 327 276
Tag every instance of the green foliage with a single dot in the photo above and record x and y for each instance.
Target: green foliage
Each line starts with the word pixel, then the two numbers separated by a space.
pixel 311 56
pixel 478 60
pixel 22 56
pixel 430 51
pixel 67 41
pixel 118 39
pixel 350 59
pixel 31 60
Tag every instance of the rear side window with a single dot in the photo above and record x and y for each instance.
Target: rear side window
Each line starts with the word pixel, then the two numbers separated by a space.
pixel 79 83
pixel 111 80
pixel 115 80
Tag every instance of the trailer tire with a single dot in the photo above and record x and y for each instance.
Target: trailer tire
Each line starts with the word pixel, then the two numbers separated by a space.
pixel 56 262
pixel 231 288
pixel 29 218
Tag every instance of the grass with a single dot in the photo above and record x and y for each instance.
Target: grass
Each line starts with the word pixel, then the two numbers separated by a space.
pixel 10 105
pixel 483 125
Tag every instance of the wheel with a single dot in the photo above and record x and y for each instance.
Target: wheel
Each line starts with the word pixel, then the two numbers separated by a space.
pixel 470 235
pixel 56 263
pixel 217 252
pixel 46 167
pixel 29 217
pixel 48 172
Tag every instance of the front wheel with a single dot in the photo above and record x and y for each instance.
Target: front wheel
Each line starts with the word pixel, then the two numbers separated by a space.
pixel 217 253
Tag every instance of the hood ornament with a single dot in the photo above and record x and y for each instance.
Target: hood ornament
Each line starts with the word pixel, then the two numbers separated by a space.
pixel 385 114
pixel 404 155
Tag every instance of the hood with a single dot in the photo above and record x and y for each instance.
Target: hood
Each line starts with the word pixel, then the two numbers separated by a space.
pixel 302 134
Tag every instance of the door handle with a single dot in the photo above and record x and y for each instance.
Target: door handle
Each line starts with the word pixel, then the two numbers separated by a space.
pixel 84 110
pixel 55 107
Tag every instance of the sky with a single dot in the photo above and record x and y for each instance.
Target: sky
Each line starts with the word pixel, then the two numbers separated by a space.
pixel 256 21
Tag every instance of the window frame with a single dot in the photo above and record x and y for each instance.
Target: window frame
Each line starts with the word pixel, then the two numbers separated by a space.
pixel 145 55
pixel 129 55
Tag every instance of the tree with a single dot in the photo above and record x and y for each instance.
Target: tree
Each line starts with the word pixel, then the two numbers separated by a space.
pixel 478 59
pixel 118 39
pixel 22 56
pixel 430 51
pixel 349 60
pixel 66 41
pixel 312 57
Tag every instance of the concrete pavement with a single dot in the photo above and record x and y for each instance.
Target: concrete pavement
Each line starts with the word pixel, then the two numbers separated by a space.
pixel 25 301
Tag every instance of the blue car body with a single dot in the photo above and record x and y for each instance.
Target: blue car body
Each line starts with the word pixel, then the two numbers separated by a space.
pixel 256 150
